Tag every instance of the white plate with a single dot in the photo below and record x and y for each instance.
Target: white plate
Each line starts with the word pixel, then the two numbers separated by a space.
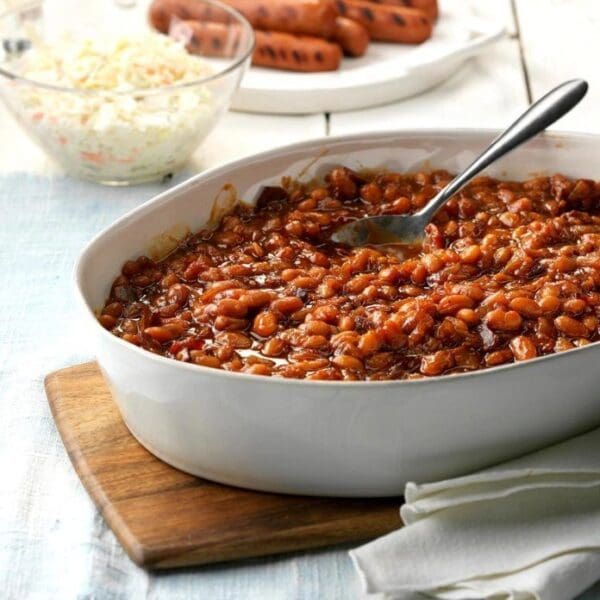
pixel 386 73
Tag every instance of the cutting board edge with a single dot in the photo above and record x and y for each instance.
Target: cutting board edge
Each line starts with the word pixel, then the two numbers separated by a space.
pixel 64 405
pixel 136 551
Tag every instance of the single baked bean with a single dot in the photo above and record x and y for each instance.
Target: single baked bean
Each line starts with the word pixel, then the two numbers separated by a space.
pixel 344 361
pixel 498 357
pixel 255 299
pixel 453 303
pixel 230 323
pixel 231 308
pixel 563 344
pixel 205 360
pixel 575 306
pixel 369 342
pixel 436 364
pixel 523 348
pixel 526 307
pixel 320 194
pixel 564 264
pixel 132 339
pixel 107 321
pixel 570 326
pixel 471 254
pixel 469 316
pixel 300 315
pixel 501 320
pixel 237 270
pixel 274 347
pixel 291 274
pixel 114 309
pixel 164 333
pixel 265 324
pixel 549 304
pixel 371 193
pixel 287 304
pixel 131 268
pixel 258 369
pixel 217 288
pixel 308 204
pixel 328 289
pixel 224 353
pixel 358 283
pixel 316 327
pixel 327 313
pixel 314 341
pixel 342 184
pixel 178 294
pixel 313 364
pixel 325 375
pixel 235 339
pixel 307 283
pixel 401 206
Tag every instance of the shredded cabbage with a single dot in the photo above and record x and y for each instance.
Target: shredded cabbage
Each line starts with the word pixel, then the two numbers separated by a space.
pixel 123 137
pixel 124 64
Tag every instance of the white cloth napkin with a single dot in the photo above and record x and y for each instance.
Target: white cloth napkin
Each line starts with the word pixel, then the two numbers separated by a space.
pixel 527 529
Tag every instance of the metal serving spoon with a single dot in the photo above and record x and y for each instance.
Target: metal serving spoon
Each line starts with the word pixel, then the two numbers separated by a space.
pixel 409 230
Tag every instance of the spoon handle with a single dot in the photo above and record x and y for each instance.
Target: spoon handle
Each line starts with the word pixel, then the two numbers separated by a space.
pixel 535 119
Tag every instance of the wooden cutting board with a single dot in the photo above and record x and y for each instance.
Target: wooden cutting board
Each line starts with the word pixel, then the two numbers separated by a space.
pixel 166 518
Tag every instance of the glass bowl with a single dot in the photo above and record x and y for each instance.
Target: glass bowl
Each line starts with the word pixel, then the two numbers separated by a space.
pixel 125 134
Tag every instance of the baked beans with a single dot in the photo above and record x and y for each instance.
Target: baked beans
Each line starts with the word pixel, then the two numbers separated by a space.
pixel 508 271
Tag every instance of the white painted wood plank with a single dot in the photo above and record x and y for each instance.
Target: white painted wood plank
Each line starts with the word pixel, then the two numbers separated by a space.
pixel 497 11
pixel 560 41
pixel 242 134
pixel 487 92
pixel 238 135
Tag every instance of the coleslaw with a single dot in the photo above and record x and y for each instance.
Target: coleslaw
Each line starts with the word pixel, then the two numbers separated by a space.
pixel 113 122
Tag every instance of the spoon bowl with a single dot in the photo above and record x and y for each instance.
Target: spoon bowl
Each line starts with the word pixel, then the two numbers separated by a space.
pixel 409 230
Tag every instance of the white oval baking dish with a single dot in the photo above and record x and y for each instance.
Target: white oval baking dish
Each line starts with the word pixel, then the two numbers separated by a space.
pixel 332 438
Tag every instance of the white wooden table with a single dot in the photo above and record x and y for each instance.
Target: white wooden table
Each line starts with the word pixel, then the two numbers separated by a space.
pixel 53 544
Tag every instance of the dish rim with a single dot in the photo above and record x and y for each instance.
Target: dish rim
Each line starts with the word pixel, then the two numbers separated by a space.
pixel 165 197
pixel 145 92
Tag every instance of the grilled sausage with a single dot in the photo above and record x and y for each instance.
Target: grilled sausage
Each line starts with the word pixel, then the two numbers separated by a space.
pixel 295 52
pixel 303 17
pixel 429 7
pixel 351 36
pixel 388 23
pixel 274 50
pixel 206 39
pixel 163 12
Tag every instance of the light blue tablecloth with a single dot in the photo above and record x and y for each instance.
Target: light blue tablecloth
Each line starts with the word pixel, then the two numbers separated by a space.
pixel 53 543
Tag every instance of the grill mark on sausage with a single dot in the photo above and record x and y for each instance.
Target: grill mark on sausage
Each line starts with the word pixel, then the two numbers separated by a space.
pixel 368 14
pixel 290 12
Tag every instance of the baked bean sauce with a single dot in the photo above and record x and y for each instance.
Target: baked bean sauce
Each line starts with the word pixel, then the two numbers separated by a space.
pixel 509 271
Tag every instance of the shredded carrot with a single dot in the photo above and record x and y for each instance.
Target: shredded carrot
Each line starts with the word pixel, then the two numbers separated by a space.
pixel 94 157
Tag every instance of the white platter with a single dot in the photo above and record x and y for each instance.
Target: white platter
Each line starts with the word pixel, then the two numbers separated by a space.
pixel 386 73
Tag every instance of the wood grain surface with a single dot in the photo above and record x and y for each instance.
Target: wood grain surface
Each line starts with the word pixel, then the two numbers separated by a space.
pixel 166 518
